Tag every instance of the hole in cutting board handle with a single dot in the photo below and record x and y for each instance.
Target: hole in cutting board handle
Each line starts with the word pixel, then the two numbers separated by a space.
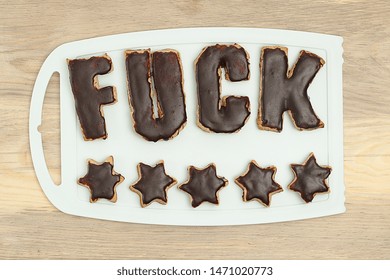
pixel 50 128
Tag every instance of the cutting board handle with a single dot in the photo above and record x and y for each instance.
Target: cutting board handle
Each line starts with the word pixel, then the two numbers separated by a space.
pixel 35 119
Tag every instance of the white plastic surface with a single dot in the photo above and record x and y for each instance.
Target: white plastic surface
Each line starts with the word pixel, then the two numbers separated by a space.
pixel 230 152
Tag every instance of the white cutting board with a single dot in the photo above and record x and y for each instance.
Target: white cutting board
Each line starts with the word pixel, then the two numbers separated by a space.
pixel 230 152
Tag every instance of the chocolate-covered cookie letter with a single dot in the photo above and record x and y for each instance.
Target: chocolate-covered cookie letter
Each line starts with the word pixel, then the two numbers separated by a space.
pixel 89 98
pixel 309 178
pixel 165 69
pixel 286 90
pixel 230 113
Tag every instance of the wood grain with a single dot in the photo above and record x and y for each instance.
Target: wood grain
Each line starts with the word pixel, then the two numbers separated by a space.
pixel 32 228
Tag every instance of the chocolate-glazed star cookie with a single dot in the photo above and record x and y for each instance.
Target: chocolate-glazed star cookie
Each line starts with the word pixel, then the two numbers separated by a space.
pixel 310 178
pixel 258 183
pixel 153 184
pixel 101 180
pixel 203 185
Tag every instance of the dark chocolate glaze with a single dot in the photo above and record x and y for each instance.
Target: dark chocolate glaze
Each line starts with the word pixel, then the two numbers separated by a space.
pixel 87 97
pixel 168 83
pixel 216 114
pixel 153 184
pixel 259 184
pixel 101 181
pixel 203 185
pixel 281 92
pixel 310 178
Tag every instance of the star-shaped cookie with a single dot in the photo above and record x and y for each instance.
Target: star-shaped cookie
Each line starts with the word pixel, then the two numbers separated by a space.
pixel 153 184
pixel 203 185
pixel 310 178
pixel 101 180
pixel 258 183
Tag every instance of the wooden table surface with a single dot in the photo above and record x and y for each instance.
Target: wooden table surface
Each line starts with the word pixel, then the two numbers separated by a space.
pixel 30 227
